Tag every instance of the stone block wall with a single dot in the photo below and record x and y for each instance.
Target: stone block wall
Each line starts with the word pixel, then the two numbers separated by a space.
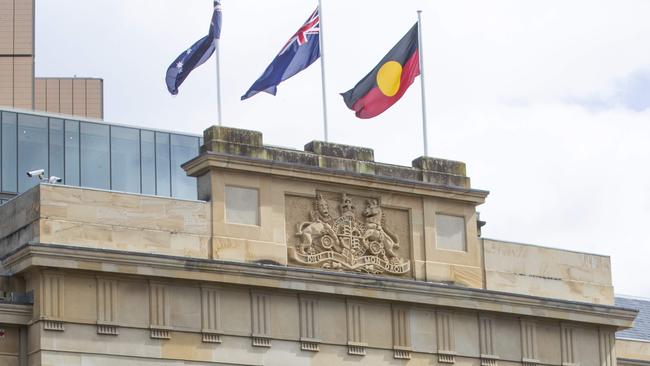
pixel 547 272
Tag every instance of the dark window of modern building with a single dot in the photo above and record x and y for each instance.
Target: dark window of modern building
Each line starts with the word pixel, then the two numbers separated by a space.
pixel 148 161
pixel 32 149
pixel 183 148
pixel 71 153
pixel 56 148
pixel 9 152
pixel 163 168
pixel 95 155
pixel 125 159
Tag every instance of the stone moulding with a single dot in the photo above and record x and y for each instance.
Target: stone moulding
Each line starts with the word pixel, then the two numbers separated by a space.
pixel 261 342
pixel 529 362
pixel 446 357
pixel 16 314
pixel 210 336
pixel 311 345
pixel 107 329
pixel 55 325
pixel 418 292
pixel 402 353
pixel 489 360
pixel 430 187
pixel 357 349
pixel 161 333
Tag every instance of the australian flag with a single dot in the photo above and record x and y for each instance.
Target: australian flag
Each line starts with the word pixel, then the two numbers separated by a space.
pixel 301 51
pixel 197 54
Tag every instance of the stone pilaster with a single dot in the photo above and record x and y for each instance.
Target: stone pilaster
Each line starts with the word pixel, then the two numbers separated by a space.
pixel 356 324
pixel 211 314
pixel 159 311
pixel 106 306
pixel 486 340
pixel 567 335
pixel 607 347
pixel 529 342
pixel 261 319
pixel 445 336
pixel 52 301
pixel 309 330
pixel 401 332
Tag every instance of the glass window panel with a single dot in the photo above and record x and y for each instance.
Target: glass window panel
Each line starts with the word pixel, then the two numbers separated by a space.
pixel 183 149
pixel 71 153
pixel 450 232
pixel 163 181
pixel 95 158
pixel 56 147
pixel 148 160
pixel 125 159
pixel 32 149
pixel 242 205
pixel 9 152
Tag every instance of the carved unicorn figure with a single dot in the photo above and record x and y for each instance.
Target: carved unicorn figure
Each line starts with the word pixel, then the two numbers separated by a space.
pixel 377 238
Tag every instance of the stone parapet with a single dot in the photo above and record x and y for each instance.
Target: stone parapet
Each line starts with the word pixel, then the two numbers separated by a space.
pixel 327 155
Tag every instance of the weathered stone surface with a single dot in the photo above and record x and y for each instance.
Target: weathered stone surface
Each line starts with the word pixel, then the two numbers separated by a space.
pixel 629 349
pixel 547 272
pixel 440 165
pixel 345 232
pixel 340 150
pixel 232 135
pixel 331 156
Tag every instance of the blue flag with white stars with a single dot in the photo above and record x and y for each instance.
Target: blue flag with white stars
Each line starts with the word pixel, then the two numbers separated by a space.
pixel 301 51
pixel 196 55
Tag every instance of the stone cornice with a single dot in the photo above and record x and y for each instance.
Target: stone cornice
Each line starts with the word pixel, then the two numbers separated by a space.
pixel 17 314
pixel 205 161
pixel 313 281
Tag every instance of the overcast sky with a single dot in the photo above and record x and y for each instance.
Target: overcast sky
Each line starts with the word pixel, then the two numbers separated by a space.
pixel 548 102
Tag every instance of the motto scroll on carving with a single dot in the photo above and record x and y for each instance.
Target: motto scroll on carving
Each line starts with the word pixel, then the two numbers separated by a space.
pixel 348 242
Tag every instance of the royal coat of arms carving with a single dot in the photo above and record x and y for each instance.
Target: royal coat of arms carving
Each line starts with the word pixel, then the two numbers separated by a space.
pixel 347 242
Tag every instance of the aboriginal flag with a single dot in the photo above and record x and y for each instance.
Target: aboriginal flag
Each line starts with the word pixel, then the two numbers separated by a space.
pixel 388 81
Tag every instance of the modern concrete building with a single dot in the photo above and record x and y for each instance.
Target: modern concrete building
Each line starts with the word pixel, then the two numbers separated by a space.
pixel 289 257
pixel 19 88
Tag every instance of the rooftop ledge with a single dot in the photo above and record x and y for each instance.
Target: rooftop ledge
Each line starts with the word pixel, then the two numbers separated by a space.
pixel 313 280
pixel 331 157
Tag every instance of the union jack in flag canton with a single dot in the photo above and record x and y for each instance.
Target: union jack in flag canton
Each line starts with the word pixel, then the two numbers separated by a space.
pixel 302 49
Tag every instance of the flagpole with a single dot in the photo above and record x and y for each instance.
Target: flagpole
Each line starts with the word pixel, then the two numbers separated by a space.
pixel 425 137
pixel 322 67
pixel 217 54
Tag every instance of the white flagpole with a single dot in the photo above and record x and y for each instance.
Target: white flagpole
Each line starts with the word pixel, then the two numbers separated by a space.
pixel 217 54
pixel 322 67
pixel 424 98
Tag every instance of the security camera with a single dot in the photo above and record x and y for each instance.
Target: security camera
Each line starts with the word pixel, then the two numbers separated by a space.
pixel 36 173
pixel 54 179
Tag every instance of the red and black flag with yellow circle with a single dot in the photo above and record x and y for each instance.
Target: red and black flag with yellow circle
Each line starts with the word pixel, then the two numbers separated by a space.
pixel 388 81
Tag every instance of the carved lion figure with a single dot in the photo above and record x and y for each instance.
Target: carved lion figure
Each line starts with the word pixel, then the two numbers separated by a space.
pixel 320 227
pixel 377 238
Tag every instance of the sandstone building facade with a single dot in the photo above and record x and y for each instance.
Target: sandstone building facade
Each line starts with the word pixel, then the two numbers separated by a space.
pixel 287 257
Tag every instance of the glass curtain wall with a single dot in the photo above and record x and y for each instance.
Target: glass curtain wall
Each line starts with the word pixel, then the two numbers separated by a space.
pixel 94 155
